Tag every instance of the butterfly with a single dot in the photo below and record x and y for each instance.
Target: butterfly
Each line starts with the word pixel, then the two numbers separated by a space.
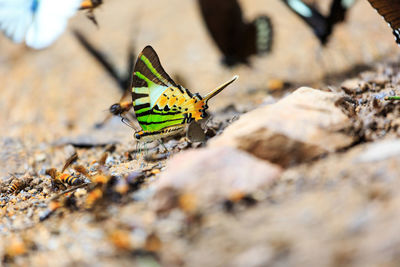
pixel 37 22
pixel 236 38
pixel 162 107
pixel 390 11
pixel 321 25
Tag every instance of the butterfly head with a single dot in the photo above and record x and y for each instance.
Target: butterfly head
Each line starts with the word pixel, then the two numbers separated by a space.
pixel 145 137
pixel 138 135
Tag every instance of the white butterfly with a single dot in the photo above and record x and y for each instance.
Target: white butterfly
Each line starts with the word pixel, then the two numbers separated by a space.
pixel 38 22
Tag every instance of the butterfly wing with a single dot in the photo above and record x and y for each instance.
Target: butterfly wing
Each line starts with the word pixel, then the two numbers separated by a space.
pixel 157 100
pixel 15 18
pixel 322 26
pixel 50 21
pixel 338 11
pixel 222 19
pixel 234 37
pixel 390 11
pixel 312 17
pixel 257 38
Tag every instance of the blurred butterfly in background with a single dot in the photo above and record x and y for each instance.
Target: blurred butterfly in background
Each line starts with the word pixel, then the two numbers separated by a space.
pixel 90 5
pixel 321 25
pixel 162 107
pixel 37 22
pixel 122 79
pixel 390 11
pixel 236 38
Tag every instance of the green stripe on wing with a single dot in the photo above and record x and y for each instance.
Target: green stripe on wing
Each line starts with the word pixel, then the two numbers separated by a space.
pixel 148 85
pixel 153 70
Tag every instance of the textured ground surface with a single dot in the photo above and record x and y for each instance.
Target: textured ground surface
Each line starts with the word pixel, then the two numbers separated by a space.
pixel 309 180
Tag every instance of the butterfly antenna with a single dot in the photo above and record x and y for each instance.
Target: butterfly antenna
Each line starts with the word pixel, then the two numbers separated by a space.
pixel 219 89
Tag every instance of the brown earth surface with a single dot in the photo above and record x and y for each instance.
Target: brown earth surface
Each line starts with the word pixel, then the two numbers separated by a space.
pixel 294 176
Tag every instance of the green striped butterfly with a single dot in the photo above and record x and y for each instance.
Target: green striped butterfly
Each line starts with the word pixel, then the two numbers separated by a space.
pixel 162 107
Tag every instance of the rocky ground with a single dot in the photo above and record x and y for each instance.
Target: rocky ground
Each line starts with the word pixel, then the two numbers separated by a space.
pixel 304 174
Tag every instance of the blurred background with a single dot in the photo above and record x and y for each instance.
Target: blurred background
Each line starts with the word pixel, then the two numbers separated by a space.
pixel 62 90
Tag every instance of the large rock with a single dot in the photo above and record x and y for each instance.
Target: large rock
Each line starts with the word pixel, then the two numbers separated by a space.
pixel 205 177
pixel 379 151
pixel 301 126
pixel 363 165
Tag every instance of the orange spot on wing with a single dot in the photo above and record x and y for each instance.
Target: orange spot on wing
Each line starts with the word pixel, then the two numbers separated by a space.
pixel 162 102
pixel 172 101
pixel 180 101
pixel 196 115
pixel 197 107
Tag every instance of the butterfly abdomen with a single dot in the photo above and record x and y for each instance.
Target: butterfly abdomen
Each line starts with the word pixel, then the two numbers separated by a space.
pixel 148 136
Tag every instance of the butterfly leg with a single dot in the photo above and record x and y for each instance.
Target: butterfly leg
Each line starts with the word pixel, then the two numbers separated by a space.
pixel 145 152
pixel 162 144
pixel 138 149
pixel 139 154
pixel 165 148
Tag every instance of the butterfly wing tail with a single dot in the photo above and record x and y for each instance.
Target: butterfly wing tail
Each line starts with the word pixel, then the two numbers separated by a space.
pixel 219 89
